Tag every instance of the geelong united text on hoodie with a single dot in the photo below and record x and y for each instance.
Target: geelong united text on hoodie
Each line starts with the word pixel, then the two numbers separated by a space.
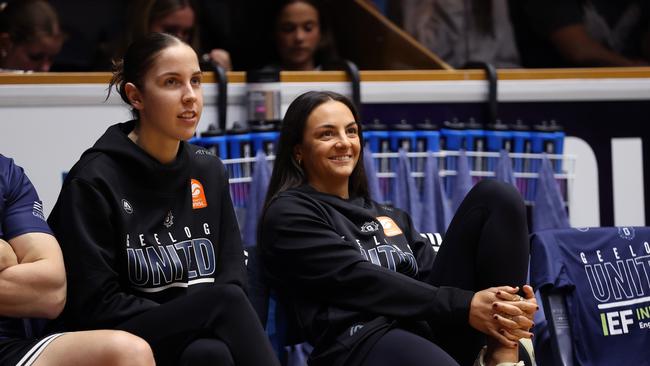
pixel 351 269
pixel 136 233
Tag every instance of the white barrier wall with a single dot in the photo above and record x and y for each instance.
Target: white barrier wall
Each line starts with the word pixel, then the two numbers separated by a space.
pixel 46 127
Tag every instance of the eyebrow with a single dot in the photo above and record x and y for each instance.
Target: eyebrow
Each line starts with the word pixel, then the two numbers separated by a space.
pixel 174 73
pixel 328 125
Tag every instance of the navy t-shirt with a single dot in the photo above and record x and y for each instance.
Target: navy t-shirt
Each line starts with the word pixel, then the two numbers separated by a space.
pixel 21 212
pixel 606 274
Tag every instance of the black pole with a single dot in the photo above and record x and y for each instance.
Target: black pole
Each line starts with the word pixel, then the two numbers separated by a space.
pixel 355 79
pixel 492 78
pixel 221 79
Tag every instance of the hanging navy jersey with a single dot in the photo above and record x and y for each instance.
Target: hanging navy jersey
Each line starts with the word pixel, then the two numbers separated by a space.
pixel 606 274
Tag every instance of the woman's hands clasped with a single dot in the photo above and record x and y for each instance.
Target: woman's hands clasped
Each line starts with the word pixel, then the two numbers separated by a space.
pixel 502 314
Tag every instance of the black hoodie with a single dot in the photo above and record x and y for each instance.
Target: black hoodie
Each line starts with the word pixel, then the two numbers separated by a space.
pixel 351 270
pixel 136 233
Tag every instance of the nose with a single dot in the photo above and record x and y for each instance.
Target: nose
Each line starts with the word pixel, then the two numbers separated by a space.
pixel 300 35
pixel 189 94
pixel 344 142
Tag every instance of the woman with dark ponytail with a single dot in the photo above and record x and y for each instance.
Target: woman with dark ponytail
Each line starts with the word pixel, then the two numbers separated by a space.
pixel 147 227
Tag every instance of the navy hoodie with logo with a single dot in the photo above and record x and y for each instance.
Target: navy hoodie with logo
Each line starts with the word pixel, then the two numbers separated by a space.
pixel 350 270
pixel 136 233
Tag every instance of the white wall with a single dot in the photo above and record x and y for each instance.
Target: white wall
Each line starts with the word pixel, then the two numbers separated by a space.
pixel 45 128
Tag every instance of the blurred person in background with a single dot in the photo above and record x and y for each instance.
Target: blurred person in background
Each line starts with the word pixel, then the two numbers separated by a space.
pixel 570 33
pixel 301 36
pixel 175 17
pixel 30 36
pixel 463 31
pixel 93 30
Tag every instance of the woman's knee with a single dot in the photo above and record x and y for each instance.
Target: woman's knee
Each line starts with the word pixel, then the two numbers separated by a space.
pixel 97 347
pixel 228 294
pixel 401 347
pixel 124 349
pixel 218 296
pixel 500 195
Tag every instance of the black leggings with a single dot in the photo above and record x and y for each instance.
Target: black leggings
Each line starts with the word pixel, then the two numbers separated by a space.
pixel 486 245
pixel 216 325
pixel 206 352
pixel 399 347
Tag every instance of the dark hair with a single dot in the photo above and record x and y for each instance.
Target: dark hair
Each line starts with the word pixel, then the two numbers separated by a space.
pixel 287 173
pixel 326 51
pixel 27 20
pixel 138 58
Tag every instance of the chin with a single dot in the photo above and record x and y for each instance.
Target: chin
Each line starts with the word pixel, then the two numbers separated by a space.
pixel 343 174
pixel 186 135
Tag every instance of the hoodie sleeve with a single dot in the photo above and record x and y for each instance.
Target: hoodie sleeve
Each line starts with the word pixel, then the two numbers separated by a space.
pixel 81 220
pixel 304 253
pixel 231 261
pixel 422 250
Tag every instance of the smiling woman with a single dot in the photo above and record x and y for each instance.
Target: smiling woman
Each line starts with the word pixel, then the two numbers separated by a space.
pixel 147 227
pixel 331 148
pixel 362 280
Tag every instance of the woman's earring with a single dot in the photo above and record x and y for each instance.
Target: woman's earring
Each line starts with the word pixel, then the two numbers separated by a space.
pixel 299 162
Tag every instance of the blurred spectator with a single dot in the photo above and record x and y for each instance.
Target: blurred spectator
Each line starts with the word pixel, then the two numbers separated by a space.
pixel 29 35
pixel 92 33
pixel 302 37
pixel 462 31
pixel 175 17
pixel 216 19
pixel 565 33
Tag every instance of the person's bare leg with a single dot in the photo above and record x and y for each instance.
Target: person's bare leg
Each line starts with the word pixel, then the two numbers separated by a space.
pixel 97 348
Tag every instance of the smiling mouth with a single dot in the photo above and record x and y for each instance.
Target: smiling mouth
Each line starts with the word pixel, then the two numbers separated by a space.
pixel 187 115
pixel 341 158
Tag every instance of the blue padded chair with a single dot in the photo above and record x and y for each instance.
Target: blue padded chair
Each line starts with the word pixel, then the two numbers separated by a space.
pixel 277 318
pixel 557 316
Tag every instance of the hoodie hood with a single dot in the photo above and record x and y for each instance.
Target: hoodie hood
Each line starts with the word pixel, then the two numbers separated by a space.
pixel 118 147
